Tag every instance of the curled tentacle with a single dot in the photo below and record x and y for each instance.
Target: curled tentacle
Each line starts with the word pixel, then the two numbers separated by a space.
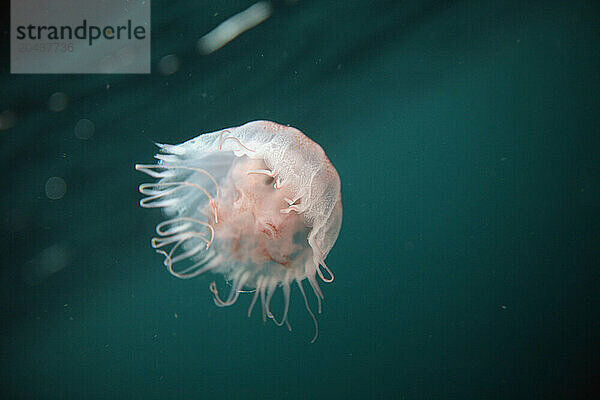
pixel 170 171
pixel 234 293
pixel 178 231
pixel 198 268
pixel 223 139
pixel 322 265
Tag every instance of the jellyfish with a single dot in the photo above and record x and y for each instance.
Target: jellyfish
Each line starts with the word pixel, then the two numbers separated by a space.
pixel 259 204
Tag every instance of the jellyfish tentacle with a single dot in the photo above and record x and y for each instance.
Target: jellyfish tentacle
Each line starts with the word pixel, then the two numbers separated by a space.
pixel 169 171
pixel 262 303
pixel 299 282
pixel 316 290
pixel 155 191
pixel 158 242
pixel 186 254
pixel 180 238
pixel 169 259
pixel 171 230
pixel 222 140
pixel 266 172
pixel 234 293
pixel 160 228
pixel 150 170
pixel 183 184
pixel 321 266
pixel 271 287
pixel 205 265
pixel 320 261
pixel 177 230
pixel 290 209
pixel 286 303
pixel 292 202
pixel 293 205
pixel 256 294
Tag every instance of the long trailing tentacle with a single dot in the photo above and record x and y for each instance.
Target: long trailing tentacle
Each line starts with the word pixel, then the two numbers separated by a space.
pixel 316 289
pixel 309 271
pixel 259 288
pixel 262 303
pixel 271 287
pixel 299 282
pixel 286 306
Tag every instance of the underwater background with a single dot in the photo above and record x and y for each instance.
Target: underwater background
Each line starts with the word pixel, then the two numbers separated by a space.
pixel 466 135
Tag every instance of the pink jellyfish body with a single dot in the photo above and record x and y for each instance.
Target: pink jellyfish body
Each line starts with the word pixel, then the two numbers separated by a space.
pixel 259 204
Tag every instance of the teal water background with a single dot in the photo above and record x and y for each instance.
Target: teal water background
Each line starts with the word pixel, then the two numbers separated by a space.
pixel 466 135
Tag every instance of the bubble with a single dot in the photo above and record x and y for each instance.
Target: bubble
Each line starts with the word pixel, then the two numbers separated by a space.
pixel 168 64
pixel 84 129
pixel 54 258
pixel 8 119
pixel 58 102
pixel 56 187
pixel 50 260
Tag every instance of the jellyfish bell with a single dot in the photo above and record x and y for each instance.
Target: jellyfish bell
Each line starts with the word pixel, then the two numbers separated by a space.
pixel 259 204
